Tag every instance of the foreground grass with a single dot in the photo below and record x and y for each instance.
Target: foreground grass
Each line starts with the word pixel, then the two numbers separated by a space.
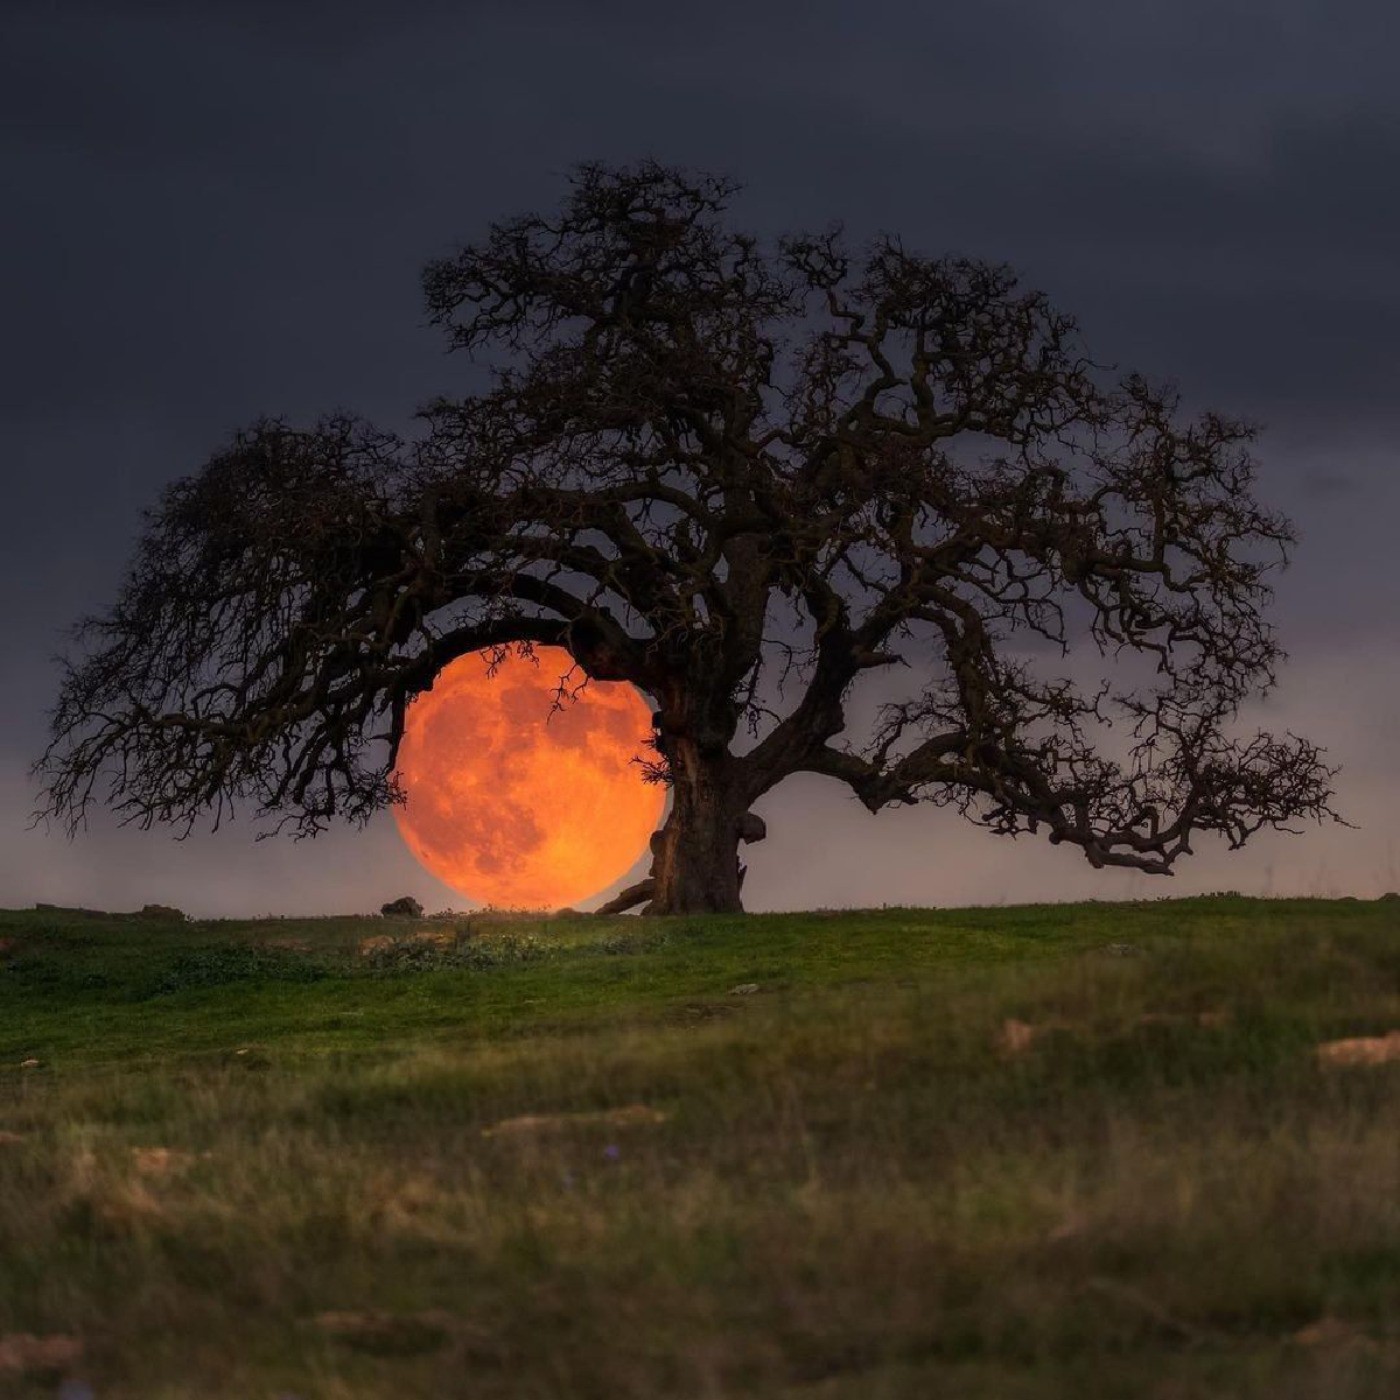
pixel 252 1161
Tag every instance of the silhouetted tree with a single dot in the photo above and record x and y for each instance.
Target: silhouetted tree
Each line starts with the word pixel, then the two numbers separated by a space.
pixel 741 477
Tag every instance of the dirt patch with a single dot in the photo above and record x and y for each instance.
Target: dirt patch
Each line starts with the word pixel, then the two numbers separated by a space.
pixel 161 1162
pixel 1332 1333
pixel 24 1353
pixel 1015 1037
pixel 631 1116
pixel 442 939
pixel 435 938
pixel 1361 1050
pixel 696 1011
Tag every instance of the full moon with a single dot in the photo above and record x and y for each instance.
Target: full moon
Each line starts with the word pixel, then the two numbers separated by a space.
pixel 519 804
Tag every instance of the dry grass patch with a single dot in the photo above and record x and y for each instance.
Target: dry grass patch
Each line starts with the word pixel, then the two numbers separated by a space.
pixel 1361 1050
pixel 632 1115
pixel 541 1177
pixel 24 1353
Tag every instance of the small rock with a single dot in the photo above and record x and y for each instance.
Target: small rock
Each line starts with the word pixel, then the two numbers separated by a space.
pixel 1361 1050
pixel 407 907
pixel 1123 950
pixel 30 1063
pixel 1015 1037
pixel 8 1139
pixel 744 989
pixel 23 1352
pixel 162 911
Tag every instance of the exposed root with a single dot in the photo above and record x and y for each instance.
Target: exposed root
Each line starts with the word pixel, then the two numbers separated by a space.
pixel 632 896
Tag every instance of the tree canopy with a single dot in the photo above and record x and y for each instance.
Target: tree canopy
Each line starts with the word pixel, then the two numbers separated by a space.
pixel 741 475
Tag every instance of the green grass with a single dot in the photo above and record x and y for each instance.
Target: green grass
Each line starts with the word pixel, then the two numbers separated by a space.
pixel 851 1189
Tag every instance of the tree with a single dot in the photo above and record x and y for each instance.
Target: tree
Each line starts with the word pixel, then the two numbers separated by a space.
pixel 741 477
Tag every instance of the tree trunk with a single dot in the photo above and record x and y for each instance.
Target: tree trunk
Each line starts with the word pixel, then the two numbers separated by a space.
pixel 696 855
pixel 695 867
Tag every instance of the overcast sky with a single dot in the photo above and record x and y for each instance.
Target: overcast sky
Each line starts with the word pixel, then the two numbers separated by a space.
pixel 219 210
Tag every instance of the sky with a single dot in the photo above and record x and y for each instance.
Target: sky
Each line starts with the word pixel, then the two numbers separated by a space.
pixel 218 210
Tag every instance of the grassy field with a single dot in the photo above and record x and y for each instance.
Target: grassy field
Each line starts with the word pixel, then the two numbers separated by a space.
pixel 1019 1153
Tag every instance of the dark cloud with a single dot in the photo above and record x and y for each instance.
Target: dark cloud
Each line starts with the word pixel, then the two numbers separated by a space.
pixel 219 210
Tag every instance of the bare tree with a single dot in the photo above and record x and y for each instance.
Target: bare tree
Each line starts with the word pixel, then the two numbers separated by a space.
pixel 741 477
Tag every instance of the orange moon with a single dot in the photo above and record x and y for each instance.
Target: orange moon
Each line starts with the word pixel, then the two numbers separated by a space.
pixel 514 803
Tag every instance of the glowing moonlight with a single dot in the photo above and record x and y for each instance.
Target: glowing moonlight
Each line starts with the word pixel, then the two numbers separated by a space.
pixel 514 805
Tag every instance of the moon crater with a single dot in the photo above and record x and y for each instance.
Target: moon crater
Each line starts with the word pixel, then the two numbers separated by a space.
pixel 516 803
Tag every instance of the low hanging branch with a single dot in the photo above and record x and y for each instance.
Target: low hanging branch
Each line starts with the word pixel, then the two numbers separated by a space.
pixel 740 477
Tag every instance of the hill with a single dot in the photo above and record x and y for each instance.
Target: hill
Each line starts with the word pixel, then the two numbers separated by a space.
pixel 1018 1153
